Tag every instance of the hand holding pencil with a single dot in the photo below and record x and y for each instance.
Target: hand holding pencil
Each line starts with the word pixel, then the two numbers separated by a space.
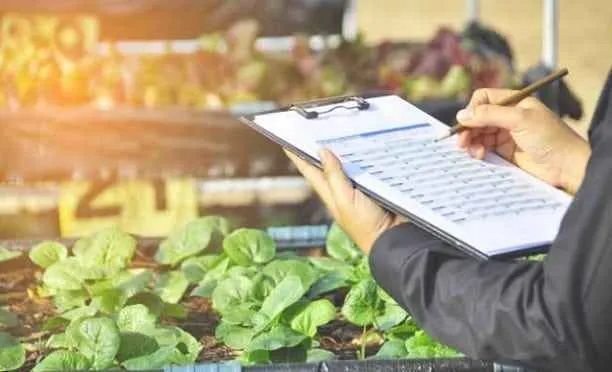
pixel 527 134
pixel 516 97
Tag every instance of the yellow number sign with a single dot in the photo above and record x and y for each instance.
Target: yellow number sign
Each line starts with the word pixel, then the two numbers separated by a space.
pixel 148 208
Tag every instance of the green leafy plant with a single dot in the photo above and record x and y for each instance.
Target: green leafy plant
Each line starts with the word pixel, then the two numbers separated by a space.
pixel 261 298
pixel 272 306
pixel 191 240
pixel 12 352
pixel 111 312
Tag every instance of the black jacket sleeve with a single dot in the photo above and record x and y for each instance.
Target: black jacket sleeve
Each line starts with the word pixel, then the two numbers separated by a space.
pixel 554 315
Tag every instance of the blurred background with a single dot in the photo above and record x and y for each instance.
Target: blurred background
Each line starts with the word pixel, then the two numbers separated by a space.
pixel 585 33
pixel 125 112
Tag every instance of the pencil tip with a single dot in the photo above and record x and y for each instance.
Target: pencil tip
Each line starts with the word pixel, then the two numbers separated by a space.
pixel 441 137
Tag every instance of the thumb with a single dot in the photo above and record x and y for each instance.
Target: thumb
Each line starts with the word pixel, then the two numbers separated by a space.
pixel 509 118
pixel 339 185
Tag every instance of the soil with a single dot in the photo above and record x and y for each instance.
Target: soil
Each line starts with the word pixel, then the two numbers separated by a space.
pixel 17 283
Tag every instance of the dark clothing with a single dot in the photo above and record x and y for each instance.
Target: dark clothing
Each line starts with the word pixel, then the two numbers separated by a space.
pixel 554 315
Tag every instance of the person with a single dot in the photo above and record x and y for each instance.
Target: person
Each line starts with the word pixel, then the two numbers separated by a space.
pixel 550 315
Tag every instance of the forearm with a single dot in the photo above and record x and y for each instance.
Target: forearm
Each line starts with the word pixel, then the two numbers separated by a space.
pixel 552 315
pixel 499 310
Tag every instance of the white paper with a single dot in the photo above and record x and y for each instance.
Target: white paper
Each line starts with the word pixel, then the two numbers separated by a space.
pixel 389 149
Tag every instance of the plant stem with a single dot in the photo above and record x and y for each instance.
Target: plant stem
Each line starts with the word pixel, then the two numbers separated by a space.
pixel 364 341
pixel 144 265
pixel 34 336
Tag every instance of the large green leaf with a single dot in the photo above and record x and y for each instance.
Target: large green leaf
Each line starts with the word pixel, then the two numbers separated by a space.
pixel 171 286
pixel 422 346
pixel 136 318
pixel 385 296
pixel 329 264
pixel 109 301
pixel 362 270
pixel 63 360
pixel 255 357
pixel 234 336
pixel 135 283
pixel 59 341
pixel 156 360
pixel 328 283
pixel 319 355
pixel 54 323
pixel 248 246
pixel 187 348
pixel 97 339
pixel 204 289
pixel 314 315
pixel 277 270
pixel 66 300
pixel 209 282
pixel 248 271
pixel 176 311
pixel 64 275
pixel 152 301
pixel 277 338
pixel 79 312
pixel 6 255
pixel 239 314
pixel 165 335
pixel 361 303
pixel 392 349
pixel 231 293
pixel 7 318
pixel 130 282
pixel 12 354
pixel 391 315
pixel 191 240
pixel 109 250
pixel 195 268
pixel 262 287
pixel 340 246
pixel 402 331
pixel 285 294
pixel 134 345
pixel 46 254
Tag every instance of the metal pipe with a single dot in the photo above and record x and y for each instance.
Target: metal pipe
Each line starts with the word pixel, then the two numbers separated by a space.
pixel 472 10
pixel 550 34
pixel 350 27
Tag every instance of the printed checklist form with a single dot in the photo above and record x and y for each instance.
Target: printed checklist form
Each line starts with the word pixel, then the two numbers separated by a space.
pixel 389 151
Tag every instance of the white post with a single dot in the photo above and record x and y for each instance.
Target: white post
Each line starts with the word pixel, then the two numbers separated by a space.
pixel 350 28
pixel 550 34
pixel 472 10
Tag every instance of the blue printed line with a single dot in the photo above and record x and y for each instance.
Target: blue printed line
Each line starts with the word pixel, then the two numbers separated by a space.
pixel 374 133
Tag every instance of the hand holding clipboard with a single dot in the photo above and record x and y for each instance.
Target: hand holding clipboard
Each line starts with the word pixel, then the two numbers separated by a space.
pixel 387 150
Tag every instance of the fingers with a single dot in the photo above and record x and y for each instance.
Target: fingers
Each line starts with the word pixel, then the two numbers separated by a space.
pixel 340 188
pixel 315 178
pixel 331 185
pixel 489 96
pixel 500 117
pixel 464 139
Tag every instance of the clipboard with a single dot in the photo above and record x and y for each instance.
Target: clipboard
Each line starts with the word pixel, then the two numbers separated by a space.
pixel 360 103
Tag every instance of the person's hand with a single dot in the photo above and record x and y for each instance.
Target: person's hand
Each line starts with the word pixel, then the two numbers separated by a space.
pixel 359 216
pixel 528 134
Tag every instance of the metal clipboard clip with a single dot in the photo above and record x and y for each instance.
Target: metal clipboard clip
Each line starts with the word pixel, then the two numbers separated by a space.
pixel 345 102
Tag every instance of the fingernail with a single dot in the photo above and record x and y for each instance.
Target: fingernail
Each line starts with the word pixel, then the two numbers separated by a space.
pixel 465 114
